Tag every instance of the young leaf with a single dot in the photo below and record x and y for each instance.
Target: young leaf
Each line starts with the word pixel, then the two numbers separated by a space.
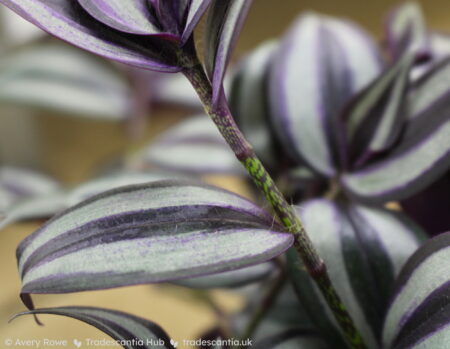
pixel 249 100
pixel 293 339
pixel 405 29
pixel 64 79
pixel 418 316
pixel 379 107
pixel 162 231
pixel 130 331
pixel 68 21
pixel 364 249
pixel 422 155
pixel 224 23
pixel 320 65
pixel 193 146
pixel 196 10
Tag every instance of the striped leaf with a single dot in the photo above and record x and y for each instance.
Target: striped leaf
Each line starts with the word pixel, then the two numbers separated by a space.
pixel 419 315
pixel 423 153
pixel 364 249
pixel 293 339
pixel 249 100
pixel 194 146
pixel 234 278
pixel 321 64
pixel 68 21
pixel 163 231
pixel 406 29
pixel 376 117
pixel 130 332
pixel 224 23
pixel 66 80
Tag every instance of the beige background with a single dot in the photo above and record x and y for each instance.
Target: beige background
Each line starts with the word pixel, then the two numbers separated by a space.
pixel 69 149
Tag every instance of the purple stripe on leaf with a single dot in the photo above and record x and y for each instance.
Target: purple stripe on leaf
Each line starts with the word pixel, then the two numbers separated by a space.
pixel 418 312
pixel 314 75
pixel 70 22
pixel 415 163
pixel 161 231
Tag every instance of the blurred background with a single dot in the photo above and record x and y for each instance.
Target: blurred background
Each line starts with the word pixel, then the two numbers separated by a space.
pixel 70 149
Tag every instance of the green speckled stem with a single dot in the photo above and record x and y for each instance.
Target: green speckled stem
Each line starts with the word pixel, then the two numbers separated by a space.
pixel 221 116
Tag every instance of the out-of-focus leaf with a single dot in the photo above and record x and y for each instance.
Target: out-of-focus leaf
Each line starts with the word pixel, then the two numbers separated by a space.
pixel 418 316
pixel 406 29
pixel 285 314
pixel 64 79
pixel 48 204
pixel 224 23
pixel 192 146
pixel 172 89
pixel 162 231
pixel 130 332
pixel 376 116
pixel 293 339
pixel 25 183
pixel 37 207
pixel 320 65
pixel 430 95
pixel 249 100
pixel 17 184
pixel 422 155
pixel 364 249
pixel 68 21
pixel 234 278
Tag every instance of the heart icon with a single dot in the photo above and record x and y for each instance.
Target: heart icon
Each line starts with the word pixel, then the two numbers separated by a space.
pixel 77 343
pixel 175 344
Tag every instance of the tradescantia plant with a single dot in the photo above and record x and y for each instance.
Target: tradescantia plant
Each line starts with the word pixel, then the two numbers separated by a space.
pixel 323 111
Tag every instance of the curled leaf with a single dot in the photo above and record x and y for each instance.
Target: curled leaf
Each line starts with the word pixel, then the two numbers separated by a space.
pixel 406 29
pixel 130 332
pixel 224 23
